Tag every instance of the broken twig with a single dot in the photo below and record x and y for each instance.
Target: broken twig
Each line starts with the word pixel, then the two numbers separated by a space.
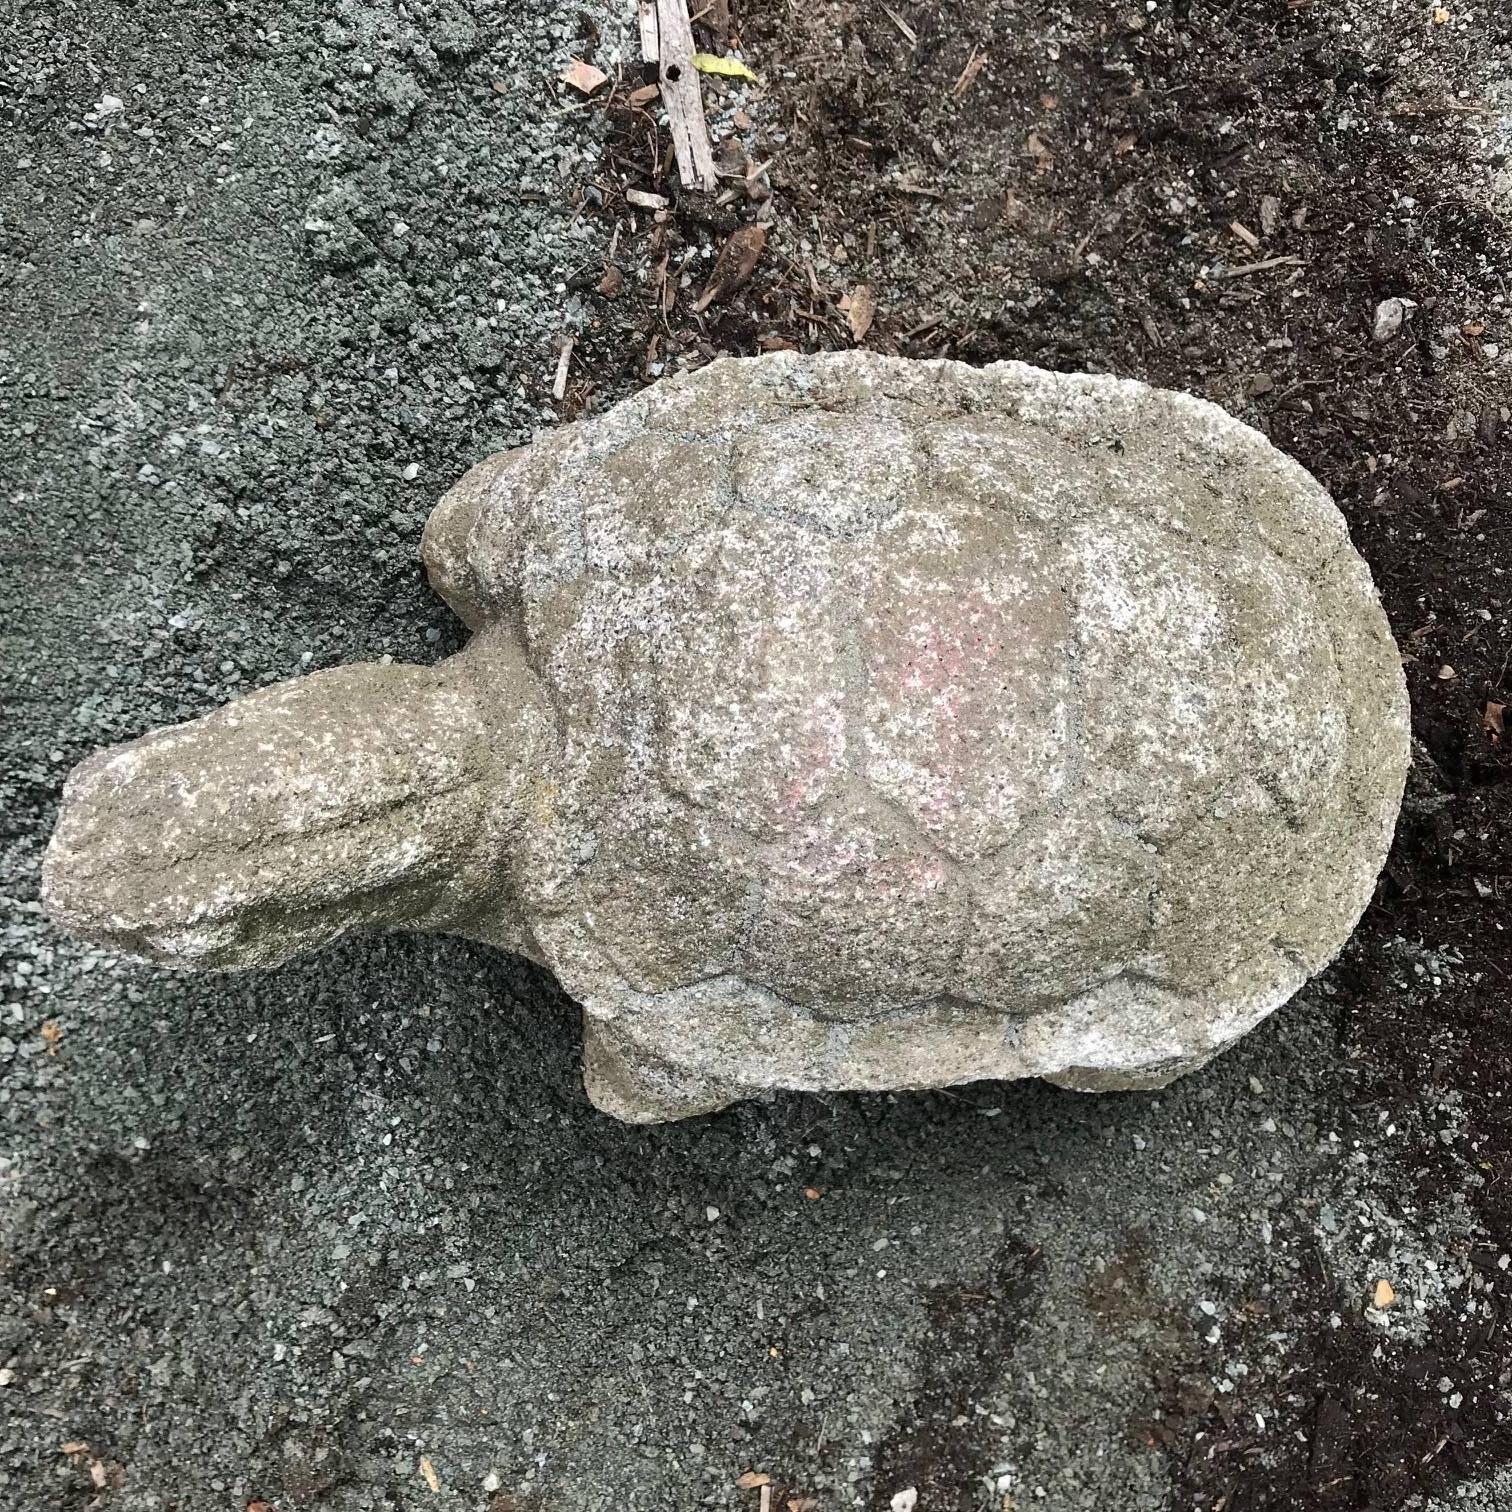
pixel 968 74
pixel 1259 267
pixel 564 361
pixel 909 33
pixel 646 14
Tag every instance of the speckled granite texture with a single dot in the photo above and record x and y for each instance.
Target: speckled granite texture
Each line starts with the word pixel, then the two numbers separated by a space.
pixel 833 721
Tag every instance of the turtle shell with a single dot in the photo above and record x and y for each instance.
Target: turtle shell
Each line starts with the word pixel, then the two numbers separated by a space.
pixel 1050 717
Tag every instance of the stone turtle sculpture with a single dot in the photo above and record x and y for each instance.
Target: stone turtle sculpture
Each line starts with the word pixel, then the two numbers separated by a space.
pixel 830 722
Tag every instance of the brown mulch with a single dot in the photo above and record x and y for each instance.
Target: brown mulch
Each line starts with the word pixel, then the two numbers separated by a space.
pixel 1216 199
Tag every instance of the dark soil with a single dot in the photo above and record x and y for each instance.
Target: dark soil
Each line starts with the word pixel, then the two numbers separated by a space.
pixel 972 1329
pixel 1215 199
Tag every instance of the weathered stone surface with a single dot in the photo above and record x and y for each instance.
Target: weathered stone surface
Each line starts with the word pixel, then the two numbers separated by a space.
pixel 831 722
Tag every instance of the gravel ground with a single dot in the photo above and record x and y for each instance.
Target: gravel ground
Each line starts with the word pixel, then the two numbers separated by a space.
pixel 348 1235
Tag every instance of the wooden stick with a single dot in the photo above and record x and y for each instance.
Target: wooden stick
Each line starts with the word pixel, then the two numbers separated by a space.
pixel 564 361
pixel 903 26
pixel 683 98
pixel 650 37
pixel 1246 269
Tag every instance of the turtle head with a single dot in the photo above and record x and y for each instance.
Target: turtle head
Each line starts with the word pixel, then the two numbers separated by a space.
pixel 364 795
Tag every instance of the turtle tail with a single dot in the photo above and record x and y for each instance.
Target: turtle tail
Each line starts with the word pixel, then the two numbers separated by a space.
pixel 362 795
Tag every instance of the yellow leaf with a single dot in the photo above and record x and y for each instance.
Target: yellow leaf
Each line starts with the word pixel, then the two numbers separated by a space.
pixel 428 1470
pixel 730 68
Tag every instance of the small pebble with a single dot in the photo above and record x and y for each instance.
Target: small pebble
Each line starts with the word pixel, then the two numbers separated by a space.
pixel 1389 316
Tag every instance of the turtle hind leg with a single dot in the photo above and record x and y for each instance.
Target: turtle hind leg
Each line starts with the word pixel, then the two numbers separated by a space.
pixel 621 1079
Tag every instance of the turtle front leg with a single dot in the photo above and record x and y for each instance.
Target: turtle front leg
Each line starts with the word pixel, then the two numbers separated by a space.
pixel 363 795
pixel 446 545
